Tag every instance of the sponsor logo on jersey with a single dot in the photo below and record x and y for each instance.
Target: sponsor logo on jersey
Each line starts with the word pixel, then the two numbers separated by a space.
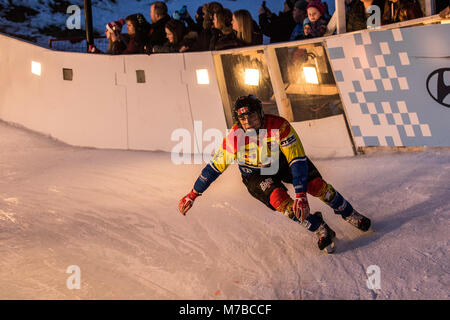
pixel 290 140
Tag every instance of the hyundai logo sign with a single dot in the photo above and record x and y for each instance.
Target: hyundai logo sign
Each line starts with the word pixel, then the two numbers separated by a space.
pixel 438 86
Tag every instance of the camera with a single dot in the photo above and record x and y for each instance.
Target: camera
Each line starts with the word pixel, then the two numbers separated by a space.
pixel 180 14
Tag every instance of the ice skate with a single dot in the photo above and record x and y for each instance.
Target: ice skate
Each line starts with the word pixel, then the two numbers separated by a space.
pixel 325 236
pixel 358 220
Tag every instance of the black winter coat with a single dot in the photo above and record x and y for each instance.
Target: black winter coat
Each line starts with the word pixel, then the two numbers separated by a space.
pixel 220 41
pixel 157 34
pixel 278 28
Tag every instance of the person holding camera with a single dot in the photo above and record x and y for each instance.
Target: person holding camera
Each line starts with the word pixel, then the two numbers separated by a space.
pixel 277 28
pixel 114 29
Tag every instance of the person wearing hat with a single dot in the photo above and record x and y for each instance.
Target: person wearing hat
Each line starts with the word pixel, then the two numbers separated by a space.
pixel 277 27
pixel 115 27
pixel 299 14
pixel 317 24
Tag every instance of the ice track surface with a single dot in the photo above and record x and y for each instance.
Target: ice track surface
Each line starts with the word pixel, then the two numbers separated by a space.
pixel 114 215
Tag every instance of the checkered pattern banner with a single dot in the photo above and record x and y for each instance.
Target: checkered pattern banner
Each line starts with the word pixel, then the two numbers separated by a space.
pixel 384 90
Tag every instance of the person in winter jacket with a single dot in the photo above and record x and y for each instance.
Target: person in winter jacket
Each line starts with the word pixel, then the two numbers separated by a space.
pixel 400 10
pixel 277 27
pixel 116 28
pixel 223 35
pixel 245 28
pixel 157 33
pixel 113 27
pixel 194 25
pixel 269 153
pixel 204 37
pixel 137 28
pixel 299 14
pixel 316 26
pixel 175 32
pixel 357 14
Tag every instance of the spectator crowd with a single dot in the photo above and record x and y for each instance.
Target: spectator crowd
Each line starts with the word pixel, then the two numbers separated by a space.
pixel 215 27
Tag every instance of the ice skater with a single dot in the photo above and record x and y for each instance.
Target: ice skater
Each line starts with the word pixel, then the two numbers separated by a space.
pixel 244 145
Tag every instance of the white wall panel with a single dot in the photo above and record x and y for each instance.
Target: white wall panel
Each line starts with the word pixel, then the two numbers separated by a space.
pixel 325 138
pixel 159 106
pixel 87 111
pixel 205 100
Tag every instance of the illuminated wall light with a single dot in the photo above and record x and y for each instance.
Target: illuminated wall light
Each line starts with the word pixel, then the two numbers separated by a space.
pixel 252 77
pixel 310 75
pixel 36 68
pixel 446 21
pixel 202 76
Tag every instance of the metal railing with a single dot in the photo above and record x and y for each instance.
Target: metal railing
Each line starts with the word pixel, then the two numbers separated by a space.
pixel 77 44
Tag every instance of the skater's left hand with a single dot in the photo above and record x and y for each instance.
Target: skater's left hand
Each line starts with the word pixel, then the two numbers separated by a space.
pixel 301 206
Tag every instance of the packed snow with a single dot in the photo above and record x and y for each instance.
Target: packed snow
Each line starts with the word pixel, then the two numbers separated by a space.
pixel 113 214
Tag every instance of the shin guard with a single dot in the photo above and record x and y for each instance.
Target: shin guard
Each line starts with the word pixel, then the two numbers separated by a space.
pixel 336 201
pixel 280 200
pixel 325 192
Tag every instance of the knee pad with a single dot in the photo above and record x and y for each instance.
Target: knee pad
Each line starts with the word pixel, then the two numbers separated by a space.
pixel 279 199
pixel 317 187
pixel 329 194
pixel 321 189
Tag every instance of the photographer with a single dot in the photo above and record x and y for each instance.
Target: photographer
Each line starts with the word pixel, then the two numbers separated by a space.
pixel 114 29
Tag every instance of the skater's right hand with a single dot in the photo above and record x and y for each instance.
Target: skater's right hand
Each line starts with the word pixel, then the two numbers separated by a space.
pixel 187 201
pixel 301 206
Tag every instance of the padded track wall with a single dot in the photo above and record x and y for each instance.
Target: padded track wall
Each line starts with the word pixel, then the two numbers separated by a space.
pixel 395 85
pixel 382 78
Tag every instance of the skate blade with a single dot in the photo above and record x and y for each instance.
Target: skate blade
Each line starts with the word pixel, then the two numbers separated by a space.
pixel 330 248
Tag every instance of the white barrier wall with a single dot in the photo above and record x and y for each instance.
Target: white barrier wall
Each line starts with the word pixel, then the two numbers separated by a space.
pixel 160 105
pixel 88 111
pixel 104 106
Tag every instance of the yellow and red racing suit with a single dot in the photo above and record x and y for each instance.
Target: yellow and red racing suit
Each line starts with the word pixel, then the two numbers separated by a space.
pixel 255 152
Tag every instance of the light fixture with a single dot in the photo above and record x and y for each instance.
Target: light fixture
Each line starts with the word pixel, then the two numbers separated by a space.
pixel 252 77
pixel 310 74
pixel 445 21
pixel 36 68
pixel 202 76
